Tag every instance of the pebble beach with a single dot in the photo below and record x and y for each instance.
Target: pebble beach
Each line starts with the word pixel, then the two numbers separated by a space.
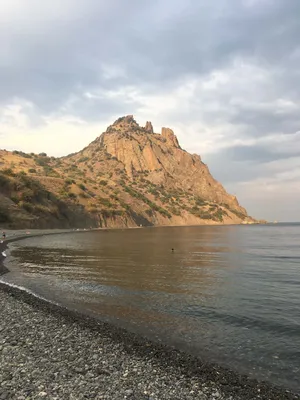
pixel 49 352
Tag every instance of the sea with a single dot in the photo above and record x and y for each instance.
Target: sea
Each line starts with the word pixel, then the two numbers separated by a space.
pixel 228 294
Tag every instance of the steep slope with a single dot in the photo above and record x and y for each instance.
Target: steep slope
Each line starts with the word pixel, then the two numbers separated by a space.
pixel 128 176
pixel 167 164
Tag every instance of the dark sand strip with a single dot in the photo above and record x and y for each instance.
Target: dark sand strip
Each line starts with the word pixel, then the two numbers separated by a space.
pixel 50 352
pixel 3 247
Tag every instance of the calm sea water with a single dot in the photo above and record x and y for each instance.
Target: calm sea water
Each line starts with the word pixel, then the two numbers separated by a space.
pixel 229 294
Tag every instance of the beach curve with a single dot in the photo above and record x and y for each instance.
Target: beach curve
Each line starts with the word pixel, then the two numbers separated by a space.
pixel 64 354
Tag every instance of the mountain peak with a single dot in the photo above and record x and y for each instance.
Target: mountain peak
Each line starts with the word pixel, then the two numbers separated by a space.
pixel 128 124
pixel 126 177
pixel 127 120
pixel 125 123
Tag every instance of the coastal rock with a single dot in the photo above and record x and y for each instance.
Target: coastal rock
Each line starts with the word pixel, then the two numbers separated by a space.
pixel 167 164
pixel 149 127
pixel 128 176
pixel 170 137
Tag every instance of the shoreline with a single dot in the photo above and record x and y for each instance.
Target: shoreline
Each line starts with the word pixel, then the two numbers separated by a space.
pixel 215 381
pixel 3 247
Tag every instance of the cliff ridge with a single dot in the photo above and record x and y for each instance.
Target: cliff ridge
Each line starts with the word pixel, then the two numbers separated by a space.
pixel 128 176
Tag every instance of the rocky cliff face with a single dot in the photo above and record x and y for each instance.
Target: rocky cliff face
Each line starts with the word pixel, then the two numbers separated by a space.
pixel 130 176
pixel 139 149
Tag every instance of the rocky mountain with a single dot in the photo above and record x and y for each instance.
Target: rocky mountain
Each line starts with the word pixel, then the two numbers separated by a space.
pixel 128 176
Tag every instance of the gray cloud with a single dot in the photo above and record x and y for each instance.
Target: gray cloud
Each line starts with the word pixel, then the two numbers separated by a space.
pixel 256 153
pixel 231 172
pixel 261 160
pixel 68 58
pixel 47 63
pixel 259 120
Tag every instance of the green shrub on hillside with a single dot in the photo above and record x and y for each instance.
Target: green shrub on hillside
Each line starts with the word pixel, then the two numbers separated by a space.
pixel 225 205
pixel 4 215
pixel 4 181
pixel 40 208
pixel 49 171
pixel 64 193
pixel 204 215
pixel 15 198
pixel 83 159
pixel 195 210
pixel 124 205
pixel 22 154
pixel 218 215
pixel 41 161
pixel 149 212
pixel 26 205
pixel 27 195
pixel 21 173
pixel 93 209
pixel 175 211
pixel 153 191
pixel 237 213
pixel 8 172
pixel 164 212
pixel 105 202
pixel 199 201
pixel 84 195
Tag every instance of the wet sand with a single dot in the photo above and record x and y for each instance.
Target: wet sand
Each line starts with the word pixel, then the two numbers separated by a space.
pixel 3 247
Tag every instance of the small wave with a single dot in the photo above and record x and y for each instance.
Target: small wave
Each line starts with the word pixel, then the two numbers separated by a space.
pixel 28 291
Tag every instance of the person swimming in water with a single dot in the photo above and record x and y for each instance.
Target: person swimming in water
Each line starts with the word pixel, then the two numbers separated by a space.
pixel 3 235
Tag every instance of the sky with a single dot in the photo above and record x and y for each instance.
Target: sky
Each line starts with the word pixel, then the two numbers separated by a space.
pixel 223 74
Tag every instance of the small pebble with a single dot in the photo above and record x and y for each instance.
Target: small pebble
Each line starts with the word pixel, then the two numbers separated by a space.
pixel 48 355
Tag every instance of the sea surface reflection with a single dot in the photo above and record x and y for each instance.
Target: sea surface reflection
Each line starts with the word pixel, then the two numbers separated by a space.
pixel 230 294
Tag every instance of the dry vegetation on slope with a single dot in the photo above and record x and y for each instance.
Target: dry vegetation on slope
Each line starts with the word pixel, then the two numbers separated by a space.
pixel 128 176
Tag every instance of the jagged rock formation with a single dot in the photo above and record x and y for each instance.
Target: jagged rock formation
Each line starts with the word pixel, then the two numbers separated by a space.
pixel 149 127
pixel 128 176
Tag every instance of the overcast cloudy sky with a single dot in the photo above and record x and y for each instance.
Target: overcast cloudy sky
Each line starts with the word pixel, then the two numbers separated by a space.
pixel 224 74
